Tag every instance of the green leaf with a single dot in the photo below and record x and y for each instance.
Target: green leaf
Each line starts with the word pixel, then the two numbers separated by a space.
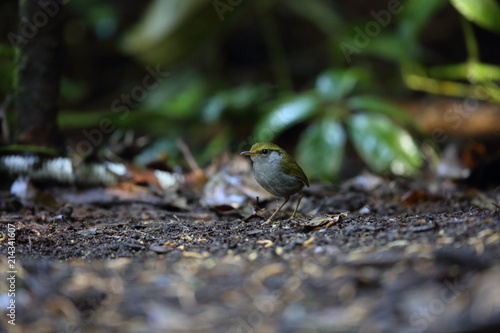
pixel 463 71
pixel 414 17
pixel 336 84
pixel 286 114
pixel 67 119
pixel 169 30
pixel 214 108
pixel 321 149
pixel 318 13
pixel 180 100
pixel 238 98
pixel 187 102
pixel 383 145
pixel 154 150
pixel 387 46
pixel 484 13
pixel 376 104
pixel 8 65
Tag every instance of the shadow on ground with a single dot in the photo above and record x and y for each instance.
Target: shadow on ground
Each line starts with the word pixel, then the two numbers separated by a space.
pixel 400 261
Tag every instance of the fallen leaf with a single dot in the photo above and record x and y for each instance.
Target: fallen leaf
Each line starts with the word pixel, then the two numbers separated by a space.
pixel 323 220
pixel 413 197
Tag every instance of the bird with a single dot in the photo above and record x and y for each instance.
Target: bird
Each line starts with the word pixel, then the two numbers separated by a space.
pixel 277 172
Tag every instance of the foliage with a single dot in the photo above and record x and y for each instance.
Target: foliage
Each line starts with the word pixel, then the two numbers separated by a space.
pixel 448 79
pixel 334 113
pixel 484 13
pixel 8 56
pixel 212 104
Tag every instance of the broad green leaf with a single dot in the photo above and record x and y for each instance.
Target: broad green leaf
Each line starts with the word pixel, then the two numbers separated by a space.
pixel 238 98
pixel 376 104
pixel 8 65
pixel 387 46
pixel 154 150
pixel 416 14
pixel 414 17
pixel 180 100
pixel 67 119
pixel 286 114
pixel 214 108
pixel 336 84
pixel 321 149
pixel 186 102
pixel 244 96
pixel 169 30
pixel 485 13
pixel 383 145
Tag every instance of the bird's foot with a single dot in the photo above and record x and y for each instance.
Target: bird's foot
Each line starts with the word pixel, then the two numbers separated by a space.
pixel 269 221
pixel 291 218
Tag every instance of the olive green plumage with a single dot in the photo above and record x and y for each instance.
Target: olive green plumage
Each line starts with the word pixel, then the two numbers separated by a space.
pixel 277 172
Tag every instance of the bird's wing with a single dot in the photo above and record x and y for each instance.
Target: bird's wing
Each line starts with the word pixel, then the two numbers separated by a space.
pixel 291 168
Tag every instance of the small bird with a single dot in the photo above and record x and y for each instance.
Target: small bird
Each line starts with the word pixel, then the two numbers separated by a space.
pixel 277 172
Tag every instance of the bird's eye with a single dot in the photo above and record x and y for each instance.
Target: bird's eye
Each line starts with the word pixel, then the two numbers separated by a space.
pixel 265 151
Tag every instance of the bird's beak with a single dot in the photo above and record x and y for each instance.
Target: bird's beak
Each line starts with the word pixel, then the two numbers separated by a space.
pixel 248 153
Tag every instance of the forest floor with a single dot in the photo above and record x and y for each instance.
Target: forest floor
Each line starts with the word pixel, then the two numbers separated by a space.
pixel 401 259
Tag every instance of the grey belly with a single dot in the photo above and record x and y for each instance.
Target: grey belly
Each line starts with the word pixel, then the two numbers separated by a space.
pixel 279 184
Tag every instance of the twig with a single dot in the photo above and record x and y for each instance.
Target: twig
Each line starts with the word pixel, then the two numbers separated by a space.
pixel 188 156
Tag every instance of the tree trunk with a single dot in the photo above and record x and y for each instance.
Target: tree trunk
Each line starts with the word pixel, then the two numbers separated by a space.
pixel 40 67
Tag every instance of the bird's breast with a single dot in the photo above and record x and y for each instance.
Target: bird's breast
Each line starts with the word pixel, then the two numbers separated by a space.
pixel 272 178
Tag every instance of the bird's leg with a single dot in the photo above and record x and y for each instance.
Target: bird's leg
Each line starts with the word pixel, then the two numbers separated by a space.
pixel 301 194
pixel 269 220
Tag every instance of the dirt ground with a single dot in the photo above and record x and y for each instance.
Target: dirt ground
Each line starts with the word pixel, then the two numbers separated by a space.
pixel 402 259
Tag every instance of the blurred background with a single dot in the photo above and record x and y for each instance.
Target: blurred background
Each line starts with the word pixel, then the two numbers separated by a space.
pixel 344 85
pixel 155 99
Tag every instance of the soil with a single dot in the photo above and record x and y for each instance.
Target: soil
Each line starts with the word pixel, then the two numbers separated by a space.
pixel 402 259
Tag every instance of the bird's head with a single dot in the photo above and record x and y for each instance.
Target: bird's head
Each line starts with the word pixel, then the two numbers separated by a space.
pixel 265 152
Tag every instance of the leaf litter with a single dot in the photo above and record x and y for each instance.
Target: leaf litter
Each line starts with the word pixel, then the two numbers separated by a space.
pixel 371 255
